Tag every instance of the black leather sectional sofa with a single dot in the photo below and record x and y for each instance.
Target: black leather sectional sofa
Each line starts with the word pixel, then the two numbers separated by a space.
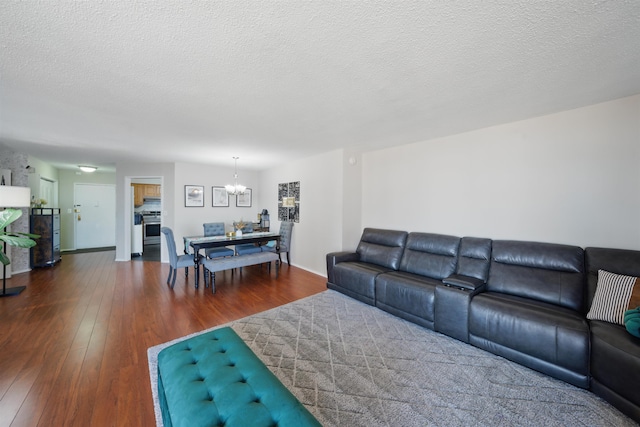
pixel 525 301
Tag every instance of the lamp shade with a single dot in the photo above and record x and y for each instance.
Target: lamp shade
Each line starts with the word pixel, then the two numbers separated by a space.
pixel 14 197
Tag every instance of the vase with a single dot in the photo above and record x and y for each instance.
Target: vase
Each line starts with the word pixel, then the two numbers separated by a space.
pixel 238 233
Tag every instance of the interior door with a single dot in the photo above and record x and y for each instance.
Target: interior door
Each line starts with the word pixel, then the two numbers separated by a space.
pixel 95 215
pixel 47 193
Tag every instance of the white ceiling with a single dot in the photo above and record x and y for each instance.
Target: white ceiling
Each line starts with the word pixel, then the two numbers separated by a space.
pixel 192 81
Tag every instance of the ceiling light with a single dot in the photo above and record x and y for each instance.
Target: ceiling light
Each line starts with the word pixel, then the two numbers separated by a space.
pixel 88 169
pixel 235 188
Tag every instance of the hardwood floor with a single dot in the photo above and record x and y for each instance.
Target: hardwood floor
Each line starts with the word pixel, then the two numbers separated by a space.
pixel 73 344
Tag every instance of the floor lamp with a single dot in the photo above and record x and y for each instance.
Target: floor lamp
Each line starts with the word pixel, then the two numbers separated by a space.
pixel 12 197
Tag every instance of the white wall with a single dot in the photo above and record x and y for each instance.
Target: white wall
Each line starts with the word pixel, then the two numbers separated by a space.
pixel 43 170
pixel 352 199
pixel 189 220
pixel 571 177
pixel 321 207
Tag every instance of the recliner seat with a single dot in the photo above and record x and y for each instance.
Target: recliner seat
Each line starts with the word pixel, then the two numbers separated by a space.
pixel 354 274
pixel 409 292
pixel 533 309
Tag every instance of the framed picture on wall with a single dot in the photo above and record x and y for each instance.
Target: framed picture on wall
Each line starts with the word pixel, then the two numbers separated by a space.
pixel 289 201
pixel 219 197
pixel 194 196
pixel 244 200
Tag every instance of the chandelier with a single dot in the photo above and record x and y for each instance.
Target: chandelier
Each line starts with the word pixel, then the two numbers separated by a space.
pixel 235 188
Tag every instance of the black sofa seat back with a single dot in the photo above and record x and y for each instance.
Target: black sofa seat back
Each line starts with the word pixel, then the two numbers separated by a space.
pixel 382 247
pixel 619 261
pixel 430 255
pixel 546 272
pixel 474 258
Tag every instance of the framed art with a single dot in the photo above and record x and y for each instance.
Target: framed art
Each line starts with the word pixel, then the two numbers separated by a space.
pixel 244 200
pixel 219 197
pixel 289 201
pixel 194 196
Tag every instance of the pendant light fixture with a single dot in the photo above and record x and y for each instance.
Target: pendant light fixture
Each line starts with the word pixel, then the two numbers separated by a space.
pixel 236 188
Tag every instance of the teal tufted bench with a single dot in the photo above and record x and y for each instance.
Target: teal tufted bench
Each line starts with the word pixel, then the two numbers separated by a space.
pixel 214 379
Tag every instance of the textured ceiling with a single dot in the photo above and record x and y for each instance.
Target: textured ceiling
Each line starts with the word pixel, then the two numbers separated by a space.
pixel 192 81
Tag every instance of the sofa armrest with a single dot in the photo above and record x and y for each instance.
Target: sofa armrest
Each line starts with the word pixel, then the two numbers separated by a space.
pixel 334 258
pixel 465 283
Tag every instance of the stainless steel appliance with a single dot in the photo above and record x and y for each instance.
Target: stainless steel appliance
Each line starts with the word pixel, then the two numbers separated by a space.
pixel 151 221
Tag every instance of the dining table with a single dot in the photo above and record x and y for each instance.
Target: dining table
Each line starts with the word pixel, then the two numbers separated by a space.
pixel 193 244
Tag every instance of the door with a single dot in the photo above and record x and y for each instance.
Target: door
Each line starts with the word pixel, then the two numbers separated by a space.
pixel 95 215
pixel 47 193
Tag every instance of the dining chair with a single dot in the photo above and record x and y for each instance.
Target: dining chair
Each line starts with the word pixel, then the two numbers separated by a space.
pixel 176 261
pixel 215 229
pixel 286 227
pixel 247 248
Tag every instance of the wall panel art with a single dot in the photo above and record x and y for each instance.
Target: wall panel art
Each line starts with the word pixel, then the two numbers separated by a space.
pixel 289 201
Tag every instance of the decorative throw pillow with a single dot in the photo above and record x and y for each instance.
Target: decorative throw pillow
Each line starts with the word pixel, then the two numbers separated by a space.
pixel 632 321
pixel 615 294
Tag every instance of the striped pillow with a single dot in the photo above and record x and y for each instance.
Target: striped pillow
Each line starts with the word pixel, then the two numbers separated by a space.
pixel 614 295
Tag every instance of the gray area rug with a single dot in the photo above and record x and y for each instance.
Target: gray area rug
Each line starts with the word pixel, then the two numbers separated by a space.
pixel 352 364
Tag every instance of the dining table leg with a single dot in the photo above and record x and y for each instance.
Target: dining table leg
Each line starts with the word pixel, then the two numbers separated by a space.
pixel 196 260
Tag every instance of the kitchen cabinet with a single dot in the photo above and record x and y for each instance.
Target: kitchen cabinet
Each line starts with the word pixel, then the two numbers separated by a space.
pixel 151 190
pixel 137 195
pixel 46 223
pixel 140 191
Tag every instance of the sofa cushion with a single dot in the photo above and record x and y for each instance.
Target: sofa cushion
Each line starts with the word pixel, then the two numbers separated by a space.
pixel 407 295
pixel 546 337
pixel 382 247
pixel 546 272
pixel 430 255
pixel 615 361
pixel 356 279
pixel 615 294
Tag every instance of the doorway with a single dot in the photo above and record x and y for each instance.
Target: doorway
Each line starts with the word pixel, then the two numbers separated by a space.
pixel 94 215
pixel 146 204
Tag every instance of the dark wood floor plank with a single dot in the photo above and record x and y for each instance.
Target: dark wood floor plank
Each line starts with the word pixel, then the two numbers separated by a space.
pixel 74 343
pixel 42 391
pixel 16 394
